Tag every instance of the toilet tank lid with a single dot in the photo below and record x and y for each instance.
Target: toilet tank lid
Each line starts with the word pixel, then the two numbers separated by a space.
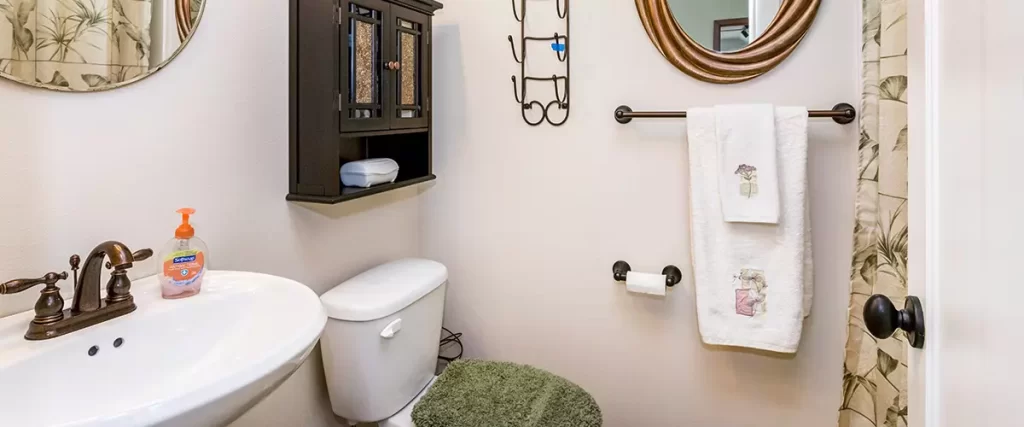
pixel 384 290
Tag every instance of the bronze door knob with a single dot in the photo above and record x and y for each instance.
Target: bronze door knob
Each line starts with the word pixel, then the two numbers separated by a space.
pixel 882 319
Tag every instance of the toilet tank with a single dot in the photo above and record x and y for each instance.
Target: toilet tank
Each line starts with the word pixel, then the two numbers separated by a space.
pixel 381 342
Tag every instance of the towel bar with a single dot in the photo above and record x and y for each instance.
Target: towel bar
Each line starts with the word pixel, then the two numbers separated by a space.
pixel 672 274
pixel 843 114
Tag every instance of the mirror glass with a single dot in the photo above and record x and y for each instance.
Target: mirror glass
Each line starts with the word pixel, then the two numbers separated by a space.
pixel 90 45
pixel 724 25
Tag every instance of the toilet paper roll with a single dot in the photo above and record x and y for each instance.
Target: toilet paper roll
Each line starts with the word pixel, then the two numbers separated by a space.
pixel 645 283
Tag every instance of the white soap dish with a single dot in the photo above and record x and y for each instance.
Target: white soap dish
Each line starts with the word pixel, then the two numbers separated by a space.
pixel 369 172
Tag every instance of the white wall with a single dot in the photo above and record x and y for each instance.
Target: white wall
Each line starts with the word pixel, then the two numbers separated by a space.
pixel 529 220
pixel 210 131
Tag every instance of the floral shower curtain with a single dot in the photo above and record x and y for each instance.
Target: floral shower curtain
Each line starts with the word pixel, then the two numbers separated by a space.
pixel 78 44
pixel 875 371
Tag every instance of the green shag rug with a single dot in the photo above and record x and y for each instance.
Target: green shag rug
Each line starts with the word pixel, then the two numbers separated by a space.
pixel 476 393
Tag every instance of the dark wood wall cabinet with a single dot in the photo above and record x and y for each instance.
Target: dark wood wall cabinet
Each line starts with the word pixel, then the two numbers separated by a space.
pixel 360 89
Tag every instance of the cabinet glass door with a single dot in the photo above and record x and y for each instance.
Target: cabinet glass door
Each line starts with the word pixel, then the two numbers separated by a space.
pixel 411 69
pixel 364 100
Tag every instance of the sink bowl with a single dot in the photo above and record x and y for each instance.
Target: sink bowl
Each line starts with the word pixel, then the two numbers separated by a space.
pixel 199 361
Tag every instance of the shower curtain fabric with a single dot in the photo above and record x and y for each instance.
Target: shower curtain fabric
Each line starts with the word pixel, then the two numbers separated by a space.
pixel 875 371
pixel 80 44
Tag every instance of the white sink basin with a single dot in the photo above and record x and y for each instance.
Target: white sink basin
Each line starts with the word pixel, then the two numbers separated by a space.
pixel 200 361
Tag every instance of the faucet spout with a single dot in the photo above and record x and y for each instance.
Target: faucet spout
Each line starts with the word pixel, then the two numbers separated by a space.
pixel 87 290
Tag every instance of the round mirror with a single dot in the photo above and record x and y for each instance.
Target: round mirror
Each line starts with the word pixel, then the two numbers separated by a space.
pixel 92 45
pixel 726 41
pixel 724 25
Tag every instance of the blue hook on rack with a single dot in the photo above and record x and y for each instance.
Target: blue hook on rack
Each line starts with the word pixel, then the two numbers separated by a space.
pixel 559 46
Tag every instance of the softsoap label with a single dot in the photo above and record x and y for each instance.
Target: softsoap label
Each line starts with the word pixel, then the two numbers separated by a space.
pixel 184 268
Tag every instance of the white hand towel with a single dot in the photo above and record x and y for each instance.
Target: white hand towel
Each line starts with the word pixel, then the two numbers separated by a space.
pixel 748 171
pixel 808 259
pixel 753 281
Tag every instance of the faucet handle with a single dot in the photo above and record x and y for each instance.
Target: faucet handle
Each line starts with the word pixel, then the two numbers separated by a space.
pixel 119 286
pixel 142 254
pixel 50 306
pixel 21 285
pixel 139 255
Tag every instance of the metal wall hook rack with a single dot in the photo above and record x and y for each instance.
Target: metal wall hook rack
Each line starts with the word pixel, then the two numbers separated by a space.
pixel 512 44
pixel 515 89
pixel 563 100
pixel 516 14
pixel 559 43
pixel 672 273
pixel 843 114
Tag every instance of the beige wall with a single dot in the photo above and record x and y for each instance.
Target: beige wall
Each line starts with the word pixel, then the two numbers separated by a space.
pixel 210 131
pixel 530 219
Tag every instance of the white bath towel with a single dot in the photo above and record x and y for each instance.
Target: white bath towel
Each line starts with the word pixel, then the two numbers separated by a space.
pixel 748 175
pixel 754 282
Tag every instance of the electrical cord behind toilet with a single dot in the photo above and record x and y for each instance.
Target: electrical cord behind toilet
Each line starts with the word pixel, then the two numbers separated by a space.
pixel 452 338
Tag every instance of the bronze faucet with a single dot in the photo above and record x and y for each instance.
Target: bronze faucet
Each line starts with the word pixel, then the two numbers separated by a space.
pixel 52 320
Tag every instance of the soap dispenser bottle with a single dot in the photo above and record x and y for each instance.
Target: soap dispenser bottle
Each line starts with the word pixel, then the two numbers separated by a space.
pixel 183 261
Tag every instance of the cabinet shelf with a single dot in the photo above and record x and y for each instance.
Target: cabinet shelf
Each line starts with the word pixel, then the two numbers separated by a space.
pixel 352 193
pixel 384 132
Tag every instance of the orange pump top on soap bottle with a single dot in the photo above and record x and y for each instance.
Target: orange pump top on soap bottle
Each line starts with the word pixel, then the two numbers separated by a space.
pixel 184 261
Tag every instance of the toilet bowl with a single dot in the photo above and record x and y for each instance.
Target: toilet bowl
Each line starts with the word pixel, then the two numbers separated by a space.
pixel 381 341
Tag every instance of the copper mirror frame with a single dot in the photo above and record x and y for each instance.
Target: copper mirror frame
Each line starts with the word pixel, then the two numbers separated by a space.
pixel 183 16
pixel 768 51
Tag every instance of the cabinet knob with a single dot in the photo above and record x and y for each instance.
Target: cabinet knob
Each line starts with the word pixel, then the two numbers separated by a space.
pixel 882 319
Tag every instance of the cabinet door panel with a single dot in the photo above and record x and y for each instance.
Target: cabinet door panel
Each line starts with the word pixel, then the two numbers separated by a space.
pixel 410 93
pixel 365 83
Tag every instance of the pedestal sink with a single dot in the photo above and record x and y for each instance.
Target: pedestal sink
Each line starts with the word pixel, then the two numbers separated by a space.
pixel 200 361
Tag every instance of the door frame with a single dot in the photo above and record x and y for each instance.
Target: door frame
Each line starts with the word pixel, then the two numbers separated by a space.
pixel 925 45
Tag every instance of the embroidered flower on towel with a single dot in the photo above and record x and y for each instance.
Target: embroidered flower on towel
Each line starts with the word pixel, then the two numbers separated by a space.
pixel 744 303
pixel 748 180
pixel 752 295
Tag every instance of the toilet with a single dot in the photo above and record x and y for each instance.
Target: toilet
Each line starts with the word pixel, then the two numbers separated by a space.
pixel 381 341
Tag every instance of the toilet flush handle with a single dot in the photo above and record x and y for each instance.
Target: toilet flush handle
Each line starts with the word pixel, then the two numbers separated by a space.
pixel 391 329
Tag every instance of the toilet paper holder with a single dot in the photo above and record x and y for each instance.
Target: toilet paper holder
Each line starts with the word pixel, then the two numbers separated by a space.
pixel 672 273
